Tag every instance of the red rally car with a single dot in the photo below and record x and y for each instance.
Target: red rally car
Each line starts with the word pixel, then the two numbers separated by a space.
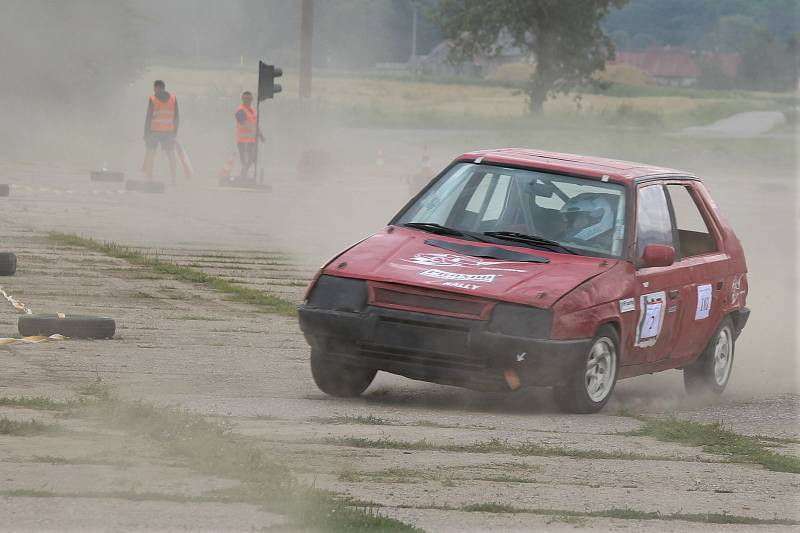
pixel 518 268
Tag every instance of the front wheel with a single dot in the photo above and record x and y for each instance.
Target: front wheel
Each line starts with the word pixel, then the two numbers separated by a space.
pixel 712 370
pixel 588 389
pixel 337 379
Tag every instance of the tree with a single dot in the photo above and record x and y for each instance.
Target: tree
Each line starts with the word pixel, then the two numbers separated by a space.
pixel 768 66
pixel 564 36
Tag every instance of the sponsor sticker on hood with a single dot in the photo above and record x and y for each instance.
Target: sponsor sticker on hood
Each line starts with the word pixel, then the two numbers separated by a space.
pixel 460 261
pixel 457 276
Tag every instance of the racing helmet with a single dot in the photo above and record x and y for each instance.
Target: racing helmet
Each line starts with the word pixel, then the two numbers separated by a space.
pixel 597 212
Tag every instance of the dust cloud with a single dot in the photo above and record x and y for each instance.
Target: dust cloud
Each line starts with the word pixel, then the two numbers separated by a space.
pixel 76 77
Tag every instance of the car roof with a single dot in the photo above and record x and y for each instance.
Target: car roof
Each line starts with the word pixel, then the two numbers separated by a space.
pixel 582 165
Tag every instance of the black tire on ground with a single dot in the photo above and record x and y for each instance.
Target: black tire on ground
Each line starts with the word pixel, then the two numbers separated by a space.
pixel 107 175
pixel 336 379
pixel 712 370
pixel 5 189
pixel 581 394
pixel 73 326
pixel 8 263
pixel 155 187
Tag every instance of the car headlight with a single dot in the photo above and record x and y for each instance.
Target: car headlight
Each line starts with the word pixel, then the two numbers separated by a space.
pixel 338 294
pixel 521 321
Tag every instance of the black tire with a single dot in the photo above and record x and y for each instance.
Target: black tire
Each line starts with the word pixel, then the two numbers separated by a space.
pixel 336 379
pixel 702 376
pixel 574 396
pixel 73 326
pixel 107 175
pixel 5 189
pixel 8 263
pixel 154 187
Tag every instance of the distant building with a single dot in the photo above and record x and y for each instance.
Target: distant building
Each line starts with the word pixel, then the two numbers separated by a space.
pixel 439 62
pixel 679 68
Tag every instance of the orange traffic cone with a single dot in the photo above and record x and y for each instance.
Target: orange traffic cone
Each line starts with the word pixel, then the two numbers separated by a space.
pixel 227 170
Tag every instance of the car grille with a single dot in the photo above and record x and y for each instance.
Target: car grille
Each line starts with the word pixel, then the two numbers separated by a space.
pixel 430 360
pixel 429 301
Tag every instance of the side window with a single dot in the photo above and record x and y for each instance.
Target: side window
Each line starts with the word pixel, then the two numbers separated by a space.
pixel 692 233
pixel 653 223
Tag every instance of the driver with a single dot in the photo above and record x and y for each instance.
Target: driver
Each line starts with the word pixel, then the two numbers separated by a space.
pixel 589 219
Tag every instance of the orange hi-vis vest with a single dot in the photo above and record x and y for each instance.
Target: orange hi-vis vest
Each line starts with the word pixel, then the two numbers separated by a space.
pixel 246 133
pixel 163 118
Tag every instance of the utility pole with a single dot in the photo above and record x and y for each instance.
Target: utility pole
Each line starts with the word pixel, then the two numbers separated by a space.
pixel 414 40
pixel 306 30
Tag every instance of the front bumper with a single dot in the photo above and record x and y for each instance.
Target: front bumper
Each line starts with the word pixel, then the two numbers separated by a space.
pixel 439 349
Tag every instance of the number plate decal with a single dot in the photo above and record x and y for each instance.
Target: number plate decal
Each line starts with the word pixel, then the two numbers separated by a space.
pixel 651 317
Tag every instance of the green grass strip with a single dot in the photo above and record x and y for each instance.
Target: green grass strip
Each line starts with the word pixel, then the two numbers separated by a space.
pixel 24 428
pixel 493 445
pixel 36 402
pixel 211 448
pixel 718 440
pixel 239 293
pixel 628 514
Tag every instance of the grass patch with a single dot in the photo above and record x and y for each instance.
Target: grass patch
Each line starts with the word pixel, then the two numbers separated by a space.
pixel 36 402
pixel 238 293
pixel 198 317
pixel 505 478
pixel 122 495
pixel 369 420
pixel 718 440
pixel 211 448
pixel 619 513
pixel 24 428
pixel 491 446
pixel 58 460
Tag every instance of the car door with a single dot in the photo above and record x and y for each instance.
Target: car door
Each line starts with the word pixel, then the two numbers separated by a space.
pixel 658 289
pixel 699 252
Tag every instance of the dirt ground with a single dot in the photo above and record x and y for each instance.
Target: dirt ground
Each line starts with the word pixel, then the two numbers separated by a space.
pixel 181 343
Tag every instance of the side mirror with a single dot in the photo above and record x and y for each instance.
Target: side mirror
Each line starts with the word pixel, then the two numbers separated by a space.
pixel 658 255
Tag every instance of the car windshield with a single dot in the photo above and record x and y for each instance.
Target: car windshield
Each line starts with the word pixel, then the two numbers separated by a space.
pixel 585 216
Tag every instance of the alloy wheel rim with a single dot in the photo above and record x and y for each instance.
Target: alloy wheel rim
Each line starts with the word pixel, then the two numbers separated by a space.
pixel 723 352
pixel 601 368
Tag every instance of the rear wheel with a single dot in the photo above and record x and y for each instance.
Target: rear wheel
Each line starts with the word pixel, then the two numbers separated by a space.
pixel 337 379
pixel 590 386
pixel 712 370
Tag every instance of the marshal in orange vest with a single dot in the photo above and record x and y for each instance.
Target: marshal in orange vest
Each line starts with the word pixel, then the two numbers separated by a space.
pixel 246 131
pixel 163 119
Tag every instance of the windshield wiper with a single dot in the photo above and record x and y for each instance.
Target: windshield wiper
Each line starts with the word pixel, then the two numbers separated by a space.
pixel 529 239
pixel 438 229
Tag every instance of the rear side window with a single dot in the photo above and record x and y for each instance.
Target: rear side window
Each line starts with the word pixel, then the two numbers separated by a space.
pixel 691 231
pixel 653 222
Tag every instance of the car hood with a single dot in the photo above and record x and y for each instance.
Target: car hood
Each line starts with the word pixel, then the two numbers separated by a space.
pixel 400 255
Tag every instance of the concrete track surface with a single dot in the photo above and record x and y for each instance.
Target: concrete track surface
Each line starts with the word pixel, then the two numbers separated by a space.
pixel 181 343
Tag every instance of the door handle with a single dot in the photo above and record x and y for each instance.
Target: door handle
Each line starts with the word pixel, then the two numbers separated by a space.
pixel 673 293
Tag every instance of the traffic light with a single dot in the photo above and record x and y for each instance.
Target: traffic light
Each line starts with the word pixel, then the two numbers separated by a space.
pixel 267 88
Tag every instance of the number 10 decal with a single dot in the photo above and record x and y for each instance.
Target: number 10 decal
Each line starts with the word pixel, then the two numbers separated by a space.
pixel 651 318
pixel 704 296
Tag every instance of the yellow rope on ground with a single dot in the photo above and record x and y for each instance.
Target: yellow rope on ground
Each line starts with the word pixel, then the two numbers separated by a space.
pixel 19 306
pixel 6 341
